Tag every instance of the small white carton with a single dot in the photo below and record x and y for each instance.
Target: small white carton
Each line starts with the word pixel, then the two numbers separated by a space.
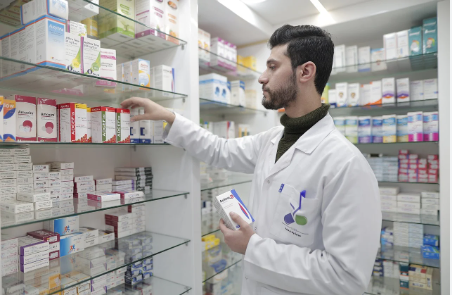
pixel 403 89
pixel 231 202
pixel 342 94
pixel 353 94
pixel 431 89
pixel 73 53
pixel 417 90
pixel 91 56
pixel 388 90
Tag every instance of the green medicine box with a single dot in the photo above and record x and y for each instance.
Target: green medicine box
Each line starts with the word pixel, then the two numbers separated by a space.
pixel 430 35
pixel 415 41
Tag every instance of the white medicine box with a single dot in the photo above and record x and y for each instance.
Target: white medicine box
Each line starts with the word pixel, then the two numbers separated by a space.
pixel 238 95
pixel 214 87
pixel 164 78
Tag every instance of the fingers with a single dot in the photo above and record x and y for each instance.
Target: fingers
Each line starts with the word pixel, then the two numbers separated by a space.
pixel 128 102
pixel 237 219
pixel 131 101
pixel 139 118
pixel 223 228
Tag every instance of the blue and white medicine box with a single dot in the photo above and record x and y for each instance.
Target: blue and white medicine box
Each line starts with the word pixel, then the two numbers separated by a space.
pixel 431 240
pixel 71 244
pixel 430 35
pixel 63 226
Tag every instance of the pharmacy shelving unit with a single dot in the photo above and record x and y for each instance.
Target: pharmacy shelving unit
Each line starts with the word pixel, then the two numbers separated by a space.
pixel 173 207
pixel 211 110
pixel 425 66
pixel 224 275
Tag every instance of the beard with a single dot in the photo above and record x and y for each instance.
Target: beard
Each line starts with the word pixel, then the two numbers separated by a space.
pixel 282 97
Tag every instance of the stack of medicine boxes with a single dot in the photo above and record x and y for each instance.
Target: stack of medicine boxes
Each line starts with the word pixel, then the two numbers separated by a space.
pixel 34 254
pixel 388 197
pixel 141 178
pixel 16 177
pixel 408 235
pixel 421 277
pixel 136 247
pixel 385 168
pixel 104 185
pixel 51 237
pixel 409 203
pixel 430 203
pixel 10 256
pixel 65 171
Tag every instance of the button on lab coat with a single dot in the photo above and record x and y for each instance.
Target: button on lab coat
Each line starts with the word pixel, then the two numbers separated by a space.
pixel 317 209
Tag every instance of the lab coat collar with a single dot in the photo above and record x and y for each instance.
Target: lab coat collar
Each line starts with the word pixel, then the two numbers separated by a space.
pixel 313 137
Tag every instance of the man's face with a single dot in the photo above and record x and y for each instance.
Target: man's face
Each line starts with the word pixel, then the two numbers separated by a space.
pixel 279 83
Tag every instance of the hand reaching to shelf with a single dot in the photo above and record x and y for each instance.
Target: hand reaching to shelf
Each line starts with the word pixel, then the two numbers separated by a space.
pixel 152 110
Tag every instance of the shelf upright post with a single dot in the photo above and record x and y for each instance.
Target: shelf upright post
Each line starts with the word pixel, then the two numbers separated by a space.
pixel 445 144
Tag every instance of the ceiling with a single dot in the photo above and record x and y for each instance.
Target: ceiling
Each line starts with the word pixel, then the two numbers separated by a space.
pixel 219 21
pixel 280 11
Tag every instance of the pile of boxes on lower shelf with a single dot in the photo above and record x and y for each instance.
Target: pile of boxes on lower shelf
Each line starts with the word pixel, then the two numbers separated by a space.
pixel 31 191
pixel 426 203
pixel 407 242
pixel 29 265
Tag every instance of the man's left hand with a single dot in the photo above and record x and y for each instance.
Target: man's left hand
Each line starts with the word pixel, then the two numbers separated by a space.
pixel 237 240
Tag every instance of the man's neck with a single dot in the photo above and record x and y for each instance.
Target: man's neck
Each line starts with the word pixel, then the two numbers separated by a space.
pixel 302 107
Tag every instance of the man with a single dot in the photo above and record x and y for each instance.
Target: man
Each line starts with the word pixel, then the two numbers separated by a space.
pixel 314 197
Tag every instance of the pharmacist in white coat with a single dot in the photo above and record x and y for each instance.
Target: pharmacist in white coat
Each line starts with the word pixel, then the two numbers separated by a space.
pixel 314 197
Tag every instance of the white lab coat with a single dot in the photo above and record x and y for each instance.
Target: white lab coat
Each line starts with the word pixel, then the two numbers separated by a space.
pixel 332 247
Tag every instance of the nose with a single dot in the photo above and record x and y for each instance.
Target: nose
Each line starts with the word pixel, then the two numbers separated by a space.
pixel 263 80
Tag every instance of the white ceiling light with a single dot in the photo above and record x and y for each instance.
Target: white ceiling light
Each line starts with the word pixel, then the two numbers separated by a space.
pixel 319 6
pixel 251 2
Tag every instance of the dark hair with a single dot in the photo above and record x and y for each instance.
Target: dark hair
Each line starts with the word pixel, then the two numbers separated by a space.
pixel 307 43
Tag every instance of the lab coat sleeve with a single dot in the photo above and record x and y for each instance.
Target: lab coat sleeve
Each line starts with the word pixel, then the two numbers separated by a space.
pixel 234 154
pixel 351 220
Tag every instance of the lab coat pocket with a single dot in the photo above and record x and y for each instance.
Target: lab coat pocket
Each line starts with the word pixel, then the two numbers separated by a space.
pixel 296 218
pixel 265 291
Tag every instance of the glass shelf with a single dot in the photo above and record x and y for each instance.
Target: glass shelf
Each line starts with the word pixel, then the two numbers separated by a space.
pixel 210 223
pixel 159 287
pixel 230 260
pixel 224 67
pixel 231 283
pixel 77 144
pixel 216 107
pixel 406 254
pixel 75 207
pixel 399 144
pixel 233 179
pixel 391 286
pixel 46 81
pixel 411 218
pixel 125 46
pixel 387 67
pixel 64 265
pixel 396 108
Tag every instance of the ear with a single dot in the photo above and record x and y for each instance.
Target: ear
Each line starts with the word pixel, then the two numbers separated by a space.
pixel 306 72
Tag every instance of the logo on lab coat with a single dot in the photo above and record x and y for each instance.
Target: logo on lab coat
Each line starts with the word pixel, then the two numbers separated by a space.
pixel 295 216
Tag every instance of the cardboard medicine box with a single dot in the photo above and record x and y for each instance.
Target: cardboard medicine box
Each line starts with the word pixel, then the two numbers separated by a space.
pixel 103 124
pixel 122 125
pixel 72 122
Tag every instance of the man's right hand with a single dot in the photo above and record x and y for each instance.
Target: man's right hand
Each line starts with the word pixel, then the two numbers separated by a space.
pixel 152 111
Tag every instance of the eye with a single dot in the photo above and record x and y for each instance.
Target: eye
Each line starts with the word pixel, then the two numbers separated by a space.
pixel 272 67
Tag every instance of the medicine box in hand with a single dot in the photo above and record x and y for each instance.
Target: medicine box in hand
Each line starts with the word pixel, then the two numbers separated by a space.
pixel 231 202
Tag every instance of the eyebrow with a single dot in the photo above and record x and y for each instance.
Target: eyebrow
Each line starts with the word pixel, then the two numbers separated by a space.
pixel 271 61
